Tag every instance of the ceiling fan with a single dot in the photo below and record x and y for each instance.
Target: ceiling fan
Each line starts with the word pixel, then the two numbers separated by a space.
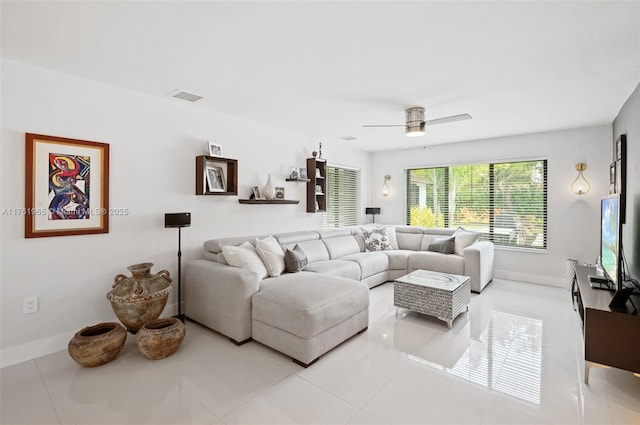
pixel 415 122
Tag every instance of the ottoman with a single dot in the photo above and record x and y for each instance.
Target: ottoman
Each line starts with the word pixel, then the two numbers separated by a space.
pixel 305 314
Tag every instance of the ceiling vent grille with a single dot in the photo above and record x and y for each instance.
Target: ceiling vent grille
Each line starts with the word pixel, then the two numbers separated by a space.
pixel 189 97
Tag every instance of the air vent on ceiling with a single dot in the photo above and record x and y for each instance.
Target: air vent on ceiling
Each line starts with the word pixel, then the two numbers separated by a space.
pixel 181 94
pixel 348 138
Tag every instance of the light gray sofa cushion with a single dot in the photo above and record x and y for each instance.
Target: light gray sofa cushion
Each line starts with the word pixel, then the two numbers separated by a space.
pixel 341 246
pixel 314 250
pixel 306 304
pixel 436 262
pixel 215 245
pixel 398 258
pixel 342 268
pixel 411 241
pixel 371 263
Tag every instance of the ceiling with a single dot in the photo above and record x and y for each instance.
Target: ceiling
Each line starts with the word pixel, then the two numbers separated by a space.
pixel 322 69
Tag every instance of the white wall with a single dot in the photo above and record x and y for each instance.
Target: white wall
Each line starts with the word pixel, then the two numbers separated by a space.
pixel 573 228
pixel 628 122
pixel 153 144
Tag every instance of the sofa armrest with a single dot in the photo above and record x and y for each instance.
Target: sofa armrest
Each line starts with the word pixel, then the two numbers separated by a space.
pixel 219 297
pixel 479 264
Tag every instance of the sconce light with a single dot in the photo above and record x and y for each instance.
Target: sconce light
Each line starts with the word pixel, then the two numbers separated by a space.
pixel 386 190
pixel 580 185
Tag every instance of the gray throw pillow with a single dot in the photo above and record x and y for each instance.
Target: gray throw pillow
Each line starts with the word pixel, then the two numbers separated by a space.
pixel 295 260
pixel 444 246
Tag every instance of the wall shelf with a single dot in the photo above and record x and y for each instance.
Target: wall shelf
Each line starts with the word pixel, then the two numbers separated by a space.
pixel 229 169
pixel 267 201
pixel 298 180
pixel 316 171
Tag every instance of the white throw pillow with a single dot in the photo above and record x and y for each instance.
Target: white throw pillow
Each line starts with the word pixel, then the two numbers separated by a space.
pixel 271 255
pixel 376 239
pixel 393 239
pixel 464 238
pixel 245 256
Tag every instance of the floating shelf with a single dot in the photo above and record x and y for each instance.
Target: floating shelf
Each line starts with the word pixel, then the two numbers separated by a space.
pixel 267 201
pixel 298 180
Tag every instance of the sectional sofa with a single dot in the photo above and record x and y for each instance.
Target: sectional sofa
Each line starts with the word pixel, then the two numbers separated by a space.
pixel 307 313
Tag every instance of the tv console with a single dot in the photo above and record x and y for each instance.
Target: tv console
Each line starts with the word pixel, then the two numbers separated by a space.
pixel 611 338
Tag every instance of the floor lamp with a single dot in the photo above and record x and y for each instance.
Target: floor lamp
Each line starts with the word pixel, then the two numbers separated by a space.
pixel 178 220
pixel 373 212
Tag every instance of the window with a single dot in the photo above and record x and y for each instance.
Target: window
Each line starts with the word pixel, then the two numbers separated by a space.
pixel 506 202
pixel 343 197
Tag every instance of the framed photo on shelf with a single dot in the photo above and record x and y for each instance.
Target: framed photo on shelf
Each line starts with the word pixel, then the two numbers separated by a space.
pixel 612 173
pixel 619 147
pixel 279 192
pixel 319 190
pixel 302 175
pixel 67 187
pixel 256 192
pixel 215 149
pixel 215 179
pixel 295 173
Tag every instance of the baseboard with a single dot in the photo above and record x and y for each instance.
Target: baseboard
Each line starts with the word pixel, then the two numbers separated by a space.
pixel 52 344
pixel 558 282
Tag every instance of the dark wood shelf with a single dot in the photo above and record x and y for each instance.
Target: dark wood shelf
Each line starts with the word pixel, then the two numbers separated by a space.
pixel 316 202
pixel 267 201
pixel 298 180
pixel 229 168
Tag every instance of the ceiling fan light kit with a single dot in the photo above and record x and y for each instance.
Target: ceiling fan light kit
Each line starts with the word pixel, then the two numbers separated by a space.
pixel 415 123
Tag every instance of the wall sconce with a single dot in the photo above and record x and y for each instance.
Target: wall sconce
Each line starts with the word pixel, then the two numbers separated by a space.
pixel 386 190
pixel 580 185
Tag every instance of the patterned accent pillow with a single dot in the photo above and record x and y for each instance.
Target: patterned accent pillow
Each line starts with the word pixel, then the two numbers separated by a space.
pixel 376 239
pixel 295 259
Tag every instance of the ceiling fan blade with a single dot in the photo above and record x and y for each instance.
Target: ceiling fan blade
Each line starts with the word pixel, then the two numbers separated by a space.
pixel 383 125
pixel 452 118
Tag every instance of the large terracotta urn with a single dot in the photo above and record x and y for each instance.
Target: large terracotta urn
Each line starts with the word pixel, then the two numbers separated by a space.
pixel 141 297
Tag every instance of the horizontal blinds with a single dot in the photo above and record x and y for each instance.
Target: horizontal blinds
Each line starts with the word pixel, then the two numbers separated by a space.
pixel 343 197
pixel 505 202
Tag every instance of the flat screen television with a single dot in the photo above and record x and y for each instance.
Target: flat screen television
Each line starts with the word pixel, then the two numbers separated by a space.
pixel 610 239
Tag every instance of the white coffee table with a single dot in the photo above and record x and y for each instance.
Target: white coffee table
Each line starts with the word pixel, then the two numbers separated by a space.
pixel 442 295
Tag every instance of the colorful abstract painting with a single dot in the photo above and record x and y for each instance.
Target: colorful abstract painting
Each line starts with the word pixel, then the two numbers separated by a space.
pixel 69 187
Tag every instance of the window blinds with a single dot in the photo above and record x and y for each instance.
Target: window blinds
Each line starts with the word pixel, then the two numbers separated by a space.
pixel 343 197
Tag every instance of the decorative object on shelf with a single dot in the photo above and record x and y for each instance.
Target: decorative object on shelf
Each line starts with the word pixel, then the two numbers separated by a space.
pixel 386 189
pixel 269 191
pixel 67 186
pixel 140 298
pixel 178 220
pixel 612 178
pixel 216 176
pixel 319 190
pixel 372 211
pixel 320 150
pixel 160 338
pixel 580 185
pixel 256 193
pixel 295 173
pixel 98 344
pixel 314 153
pixel 215 179
pixel 279 192
pixel 302 173
pixel 214 149
pixel 318 174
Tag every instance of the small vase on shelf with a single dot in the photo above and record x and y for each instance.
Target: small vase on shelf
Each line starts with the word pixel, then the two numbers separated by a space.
pixel 269 190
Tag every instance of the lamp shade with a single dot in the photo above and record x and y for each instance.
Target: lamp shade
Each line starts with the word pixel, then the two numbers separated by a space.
pixel 372 210
pixel 182 219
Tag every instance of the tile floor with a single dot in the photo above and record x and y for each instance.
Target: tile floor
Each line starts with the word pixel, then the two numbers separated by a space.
pixel 515 358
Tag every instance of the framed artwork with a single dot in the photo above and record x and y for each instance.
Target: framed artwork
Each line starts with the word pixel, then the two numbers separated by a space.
pixel 619 144
pixel 319 190
pixel 612 173
pixel 279 192
pixel 302 173
pixel 215 149
pixel 295 173
pixel 215 179
pixel 66 186
pixel 256 192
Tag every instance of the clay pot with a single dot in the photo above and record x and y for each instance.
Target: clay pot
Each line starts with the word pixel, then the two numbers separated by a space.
pixel 160 338
pixel 98 344
pixel 140 298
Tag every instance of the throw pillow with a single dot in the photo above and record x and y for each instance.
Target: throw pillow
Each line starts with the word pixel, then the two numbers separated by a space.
pixel 464 238
pixel 444 246
pixel 295 259
pixel 245 256
pixel 393 239
pixel 271 255
pixel 376 239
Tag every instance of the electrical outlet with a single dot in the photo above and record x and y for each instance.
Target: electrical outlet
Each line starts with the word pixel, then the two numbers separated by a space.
pixel 30 305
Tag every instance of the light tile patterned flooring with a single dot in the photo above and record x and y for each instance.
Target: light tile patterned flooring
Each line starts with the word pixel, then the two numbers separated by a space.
pixel 515 358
